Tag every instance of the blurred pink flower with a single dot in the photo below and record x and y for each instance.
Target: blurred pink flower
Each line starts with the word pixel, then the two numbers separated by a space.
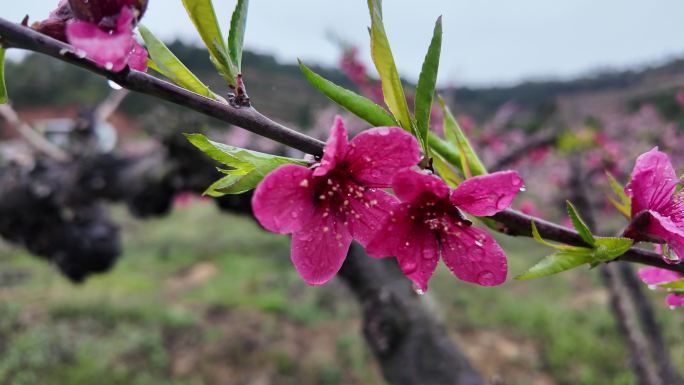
pixel 654 276
pixel 429 222
pixel 657 211
pixel 680 98
pixel 324 207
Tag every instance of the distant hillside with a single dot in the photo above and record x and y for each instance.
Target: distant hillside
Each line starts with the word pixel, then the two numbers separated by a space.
pixel 279 90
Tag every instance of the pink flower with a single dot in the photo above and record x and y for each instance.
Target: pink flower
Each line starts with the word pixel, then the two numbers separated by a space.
pixel 327 206
pixel 109 42
pixel 429 223
pixel 654 276
pixel 657 210
pixel 102 29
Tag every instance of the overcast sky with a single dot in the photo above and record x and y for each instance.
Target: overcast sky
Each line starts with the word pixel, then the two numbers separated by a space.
pixel 485 41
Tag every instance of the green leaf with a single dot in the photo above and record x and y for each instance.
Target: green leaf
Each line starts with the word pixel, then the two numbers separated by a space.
pixel 623 202
pixel 676 285
pixel 358 105
pixel 3 87
pixel 537 237
pixel 427 81
pixel 203 16
pixel 558 262
pixel 249 167
pixel 443 169
pixel 580 226
pixel 387 69
pixel 609 248
pixel 167 64
pixel 236 36
pixel 469 163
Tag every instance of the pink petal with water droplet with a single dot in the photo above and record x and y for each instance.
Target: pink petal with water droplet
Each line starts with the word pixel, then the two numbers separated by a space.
pixel 474 256
pixel 409 184
pixel 652 183
pixel 107 50
pixel 284 200
pixel 335 148
pixel 319 250
pixel 675 300
pixel 486 195
pixel 138 58
pixel 657 276
pixel 665 229
pixel 368 212
pixel 413 244
pixel 375 155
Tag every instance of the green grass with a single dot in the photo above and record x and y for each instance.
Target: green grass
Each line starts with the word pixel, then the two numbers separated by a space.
pixel 201 297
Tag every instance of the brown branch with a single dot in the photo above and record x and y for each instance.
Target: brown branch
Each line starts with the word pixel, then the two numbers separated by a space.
pixel 17 36
pixel 515 223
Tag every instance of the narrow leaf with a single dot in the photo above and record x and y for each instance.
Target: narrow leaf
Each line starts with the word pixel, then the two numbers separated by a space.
pixel 454 134
pixel 558 262
pixel 3 87
pixel 427 81
pixel 387 69
pixel 580 226
pixel 443 169
pixel 624 210
pixel 623 202
pixel 167 64
pixel 236 36
pixel 358 105
pixel 250 167
pixel 676 285
pixel 537 237
pixel 203 16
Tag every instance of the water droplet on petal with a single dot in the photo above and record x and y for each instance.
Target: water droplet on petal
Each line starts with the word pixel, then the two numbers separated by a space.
pixel 653 287
pixel 486 278
pixel 384 131
pixel 418 290
pixel 523 188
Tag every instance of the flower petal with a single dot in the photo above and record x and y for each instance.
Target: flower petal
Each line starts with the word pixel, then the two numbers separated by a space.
pixel 319 250
pixel 367 213
pixel 414 245
pixel 137 60
pixel 375 155
pixel 652 183
pixel 409 184
pixel 107 50
pixel 474 256
pixel 283 201
pixel 657 276
pixel 335 148
pixel 486 195
pixel 663 228
pixel 675 300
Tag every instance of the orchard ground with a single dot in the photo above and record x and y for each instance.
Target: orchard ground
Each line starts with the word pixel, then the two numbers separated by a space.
pixel 201 297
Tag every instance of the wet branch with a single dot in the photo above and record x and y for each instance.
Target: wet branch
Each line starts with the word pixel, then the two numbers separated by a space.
pixel 513 222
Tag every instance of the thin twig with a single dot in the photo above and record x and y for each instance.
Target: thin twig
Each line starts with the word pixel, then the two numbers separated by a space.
pixel 32 137
pixel 514 222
